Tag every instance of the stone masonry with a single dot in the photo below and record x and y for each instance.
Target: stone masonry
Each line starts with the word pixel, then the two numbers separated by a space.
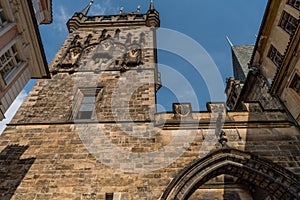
pixel 92 131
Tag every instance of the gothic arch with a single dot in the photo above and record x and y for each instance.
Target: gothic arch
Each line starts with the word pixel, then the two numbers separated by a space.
pixel 266 175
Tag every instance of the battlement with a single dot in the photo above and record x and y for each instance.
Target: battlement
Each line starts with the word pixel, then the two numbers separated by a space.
pixel 81 21
pixel 252 114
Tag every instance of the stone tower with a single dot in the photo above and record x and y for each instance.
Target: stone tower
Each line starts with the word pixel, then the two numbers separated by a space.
pixel 92 131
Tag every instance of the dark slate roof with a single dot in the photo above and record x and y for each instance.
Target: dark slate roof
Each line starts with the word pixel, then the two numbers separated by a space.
pixel 241 56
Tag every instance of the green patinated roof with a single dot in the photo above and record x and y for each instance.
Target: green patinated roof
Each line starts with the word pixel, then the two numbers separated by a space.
pixel 241 56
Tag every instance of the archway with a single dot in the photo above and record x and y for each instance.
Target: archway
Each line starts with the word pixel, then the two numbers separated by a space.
pixel 277 181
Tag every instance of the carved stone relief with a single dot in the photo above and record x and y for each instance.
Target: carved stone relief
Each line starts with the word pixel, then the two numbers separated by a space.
pixel 108 53
pixel 182 110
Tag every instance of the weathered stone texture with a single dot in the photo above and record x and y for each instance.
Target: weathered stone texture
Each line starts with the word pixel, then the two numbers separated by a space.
pixel 260 92
pixel 121 146
pixel 64 167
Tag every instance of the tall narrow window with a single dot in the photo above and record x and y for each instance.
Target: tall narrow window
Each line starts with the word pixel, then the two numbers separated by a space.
pixel 294 3
pixel 295 84
pixel 86 101
pixel 288 23
pixel 9 63
pixel 3 19
pixel 275 56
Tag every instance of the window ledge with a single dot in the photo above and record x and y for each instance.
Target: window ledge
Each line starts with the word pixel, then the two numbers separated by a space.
pixel 14 73
pixel 6 27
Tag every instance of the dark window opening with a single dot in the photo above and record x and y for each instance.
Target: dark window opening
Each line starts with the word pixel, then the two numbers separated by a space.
pixel 294 3
pixel 3 19
pixel 109 196
pixel 106 17
pixel 275 56
pixel 139 16
pixel 91 18
pixel 288 23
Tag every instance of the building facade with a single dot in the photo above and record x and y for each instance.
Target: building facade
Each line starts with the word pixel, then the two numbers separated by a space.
pixel 21 50
pixel 43 11
pixel 92 130
pixel 274 66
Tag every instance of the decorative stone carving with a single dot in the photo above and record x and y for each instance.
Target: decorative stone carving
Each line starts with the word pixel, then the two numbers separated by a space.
pixel 223 138
pixel 88 39
pixel 75 41
pixel 133 58
pixel 105 49
pixel 72 55
pixel 182 110
pixel 117 34
pixel 142 39
pixel 103 35
pixel 128 40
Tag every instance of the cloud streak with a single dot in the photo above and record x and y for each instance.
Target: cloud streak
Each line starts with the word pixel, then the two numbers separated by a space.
pixel 104 8
pixel 61 18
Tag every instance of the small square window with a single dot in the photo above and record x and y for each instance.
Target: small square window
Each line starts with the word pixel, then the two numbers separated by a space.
pixel 275 56
pixel 288 23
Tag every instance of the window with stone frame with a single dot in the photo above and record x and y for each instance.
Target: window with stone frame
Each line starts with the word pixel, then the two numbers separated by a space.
pixel 86 99
pixel 9 63
pixel 294 3
pixel 3 19
pixel 295 84
pixel 288 23
pixel 275 56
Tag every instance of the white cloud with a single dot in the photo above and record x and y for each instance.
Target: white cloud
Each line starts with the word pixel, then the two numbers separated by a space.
pixel 12 110
pixel 105 7
pixel 62 14
pixel 61 18
pixel 98 10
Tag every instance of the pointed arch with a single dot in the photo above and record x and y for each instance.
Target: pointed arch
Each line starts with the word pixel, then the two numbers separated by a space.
pixel 264 174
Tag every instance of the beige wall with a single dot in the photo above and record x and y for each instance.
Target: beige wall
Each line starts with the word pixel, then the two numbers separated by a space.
pixel 22 32
pixel 277 37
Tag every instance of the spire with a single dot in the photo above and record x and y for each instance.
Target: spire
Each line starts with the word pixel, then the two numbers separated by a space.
pixel 151 5
pixel 87 8
pixel 229 41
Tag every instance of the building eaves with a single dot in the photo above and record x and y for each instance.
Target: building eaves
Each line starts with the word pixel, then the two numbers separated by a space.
pixel 262 26
pixel 291 47
pixel 29 2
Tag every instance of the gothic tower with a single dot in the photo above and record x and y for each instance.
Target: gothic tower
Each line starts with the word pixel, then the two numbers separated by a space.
pixel 92 131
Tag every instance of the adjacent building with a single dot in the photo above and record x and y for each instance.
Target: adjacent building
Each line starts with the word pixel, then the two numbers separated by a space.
pixel 274 64
pixel 240 61
pixel 22 55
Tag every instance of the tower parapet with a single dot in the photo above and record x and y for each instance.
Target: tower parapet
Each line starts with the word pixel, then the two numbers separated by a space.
pixel 82 21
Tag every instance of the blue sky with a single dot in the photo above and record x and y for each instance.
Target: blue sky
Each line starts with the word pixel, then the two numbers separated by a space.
pixel 207 22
